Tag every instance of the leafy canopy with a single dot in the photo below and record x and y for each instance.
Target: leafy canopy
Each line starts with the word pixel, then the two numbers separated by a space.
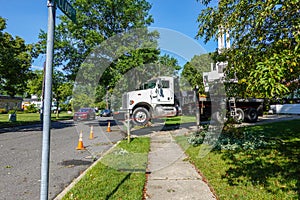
pixel 15 62
pixel 97 20
pixel 84 44
pixel 193 70
pixel 265 37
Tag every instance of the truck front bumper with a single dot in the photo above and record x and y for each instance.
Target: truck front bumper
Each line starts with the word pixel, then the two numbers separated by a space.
pixel 120 115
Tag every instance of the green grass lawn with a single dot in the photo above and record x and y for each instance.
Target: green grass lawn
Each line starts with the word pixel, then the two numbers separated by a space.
pixel 268 173
pixel 119 175
pixel 180 120
pixel 29 118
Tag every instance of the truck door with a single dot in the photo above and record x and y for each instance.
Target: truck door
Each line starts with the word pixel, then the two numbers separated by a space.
pixel 165 92
pixel 153 86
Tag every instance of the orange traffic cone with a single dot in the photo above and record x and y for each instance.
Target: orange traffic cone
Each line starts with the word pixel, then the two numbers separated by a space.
pixel 108 127
pixel 91 133
pixel 80 143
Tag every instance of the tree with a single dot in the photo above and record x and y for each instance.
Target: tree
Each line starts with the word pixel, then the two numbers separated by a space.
pixel 168 65
pixel 96 22
pixel 139 72
pixel 265 53
pixel 83 44
pixel 61 89
pixel 35 83
pixel 192 72
pixel 15 62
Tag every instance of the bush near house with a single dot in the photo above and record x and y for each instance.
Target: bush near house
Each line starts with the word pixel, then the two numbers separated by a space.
pixel 3 111
pixel 31 108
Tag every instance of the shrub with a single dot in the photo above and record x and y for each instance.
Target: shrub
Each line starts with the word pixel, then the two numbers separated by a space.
pixel 66 107
pixel 31 109
pixel 232 138
pixel 101 105
pixel 3 111
pixel 197 138
pixel 12 112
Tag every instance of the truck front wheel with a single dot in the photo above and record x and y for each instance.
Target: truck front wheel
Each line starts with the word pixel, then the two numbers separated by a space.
pixel 219 117
pixel 141 116
pixel 239 115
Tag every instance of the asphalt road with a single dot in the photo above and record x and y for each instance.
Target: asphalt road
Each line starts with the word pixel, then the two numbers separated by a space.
pixel 21 150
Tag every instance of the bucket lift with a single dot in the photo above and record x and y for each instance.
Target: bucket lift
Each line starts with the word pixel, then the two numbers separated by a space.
pixel 216 75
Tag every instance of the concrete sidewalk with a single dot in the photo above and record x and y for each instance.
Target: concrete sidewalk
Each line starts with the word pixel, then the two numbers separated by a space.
pixel 171 176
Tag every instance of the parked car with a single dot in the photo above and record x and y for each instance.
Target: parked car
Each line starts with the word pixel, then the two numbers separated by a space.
pixel 84 114
pixel 105 113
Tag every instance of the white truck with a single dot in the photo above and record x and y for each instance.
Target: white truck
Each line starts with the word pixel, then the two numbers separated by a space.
pixel 158 97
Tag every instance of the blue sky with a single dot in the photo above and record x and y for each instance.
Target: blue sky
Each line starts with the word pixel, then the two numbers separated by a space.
pixel 181 16
pixel 27 18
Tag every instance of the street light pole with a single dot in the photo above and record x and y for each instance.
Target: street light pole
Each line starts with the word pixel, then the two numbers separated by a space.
pixel 47 102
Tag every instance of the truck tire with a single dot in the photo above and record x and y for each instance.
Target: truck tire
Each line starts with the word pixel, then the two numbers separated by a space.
pixel 251 115
pixel 239 115
pixel 141 116
pixel 218 117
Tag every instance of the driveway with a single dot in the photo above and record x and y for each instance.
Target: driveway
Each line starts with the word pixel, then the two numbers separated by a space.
pixel 272 118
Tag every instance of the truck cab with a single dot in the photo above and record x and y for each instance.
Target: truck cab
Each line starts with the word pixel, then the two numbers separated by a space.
pixel 155 98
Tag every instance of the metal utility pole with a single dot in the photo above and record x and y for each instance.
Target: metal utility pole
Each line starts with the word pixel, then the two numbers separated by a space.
pixel 106 97
pixel 196 98
pixel 128 126
pixel 47 102
pixel 43 93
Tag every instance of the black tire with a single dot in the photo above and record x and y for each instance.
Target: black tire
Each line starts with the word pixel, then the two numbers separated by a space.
pixel 239 115
pixel 219 117
pixel 141 116
pixel 251 115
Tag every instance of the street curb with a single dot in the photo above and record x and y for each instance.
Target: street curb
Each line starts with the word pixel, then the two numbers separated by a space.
pixel 76 180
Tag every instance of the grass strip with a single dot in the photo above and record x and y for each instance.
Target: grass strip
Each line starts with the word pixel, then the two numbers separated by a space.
pixel 268 173
pixel 180 120
pixel 30 118
pixel 119 175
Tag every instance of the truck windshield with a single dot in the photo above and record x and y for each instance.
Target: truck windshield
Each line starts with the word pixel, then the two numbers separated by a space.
pixel 149 85
pixel 165 84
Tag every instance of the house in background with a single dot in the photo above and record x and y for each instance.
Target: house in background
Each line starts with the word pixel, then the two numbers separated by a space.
pixel 10 103
pixel 33 100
